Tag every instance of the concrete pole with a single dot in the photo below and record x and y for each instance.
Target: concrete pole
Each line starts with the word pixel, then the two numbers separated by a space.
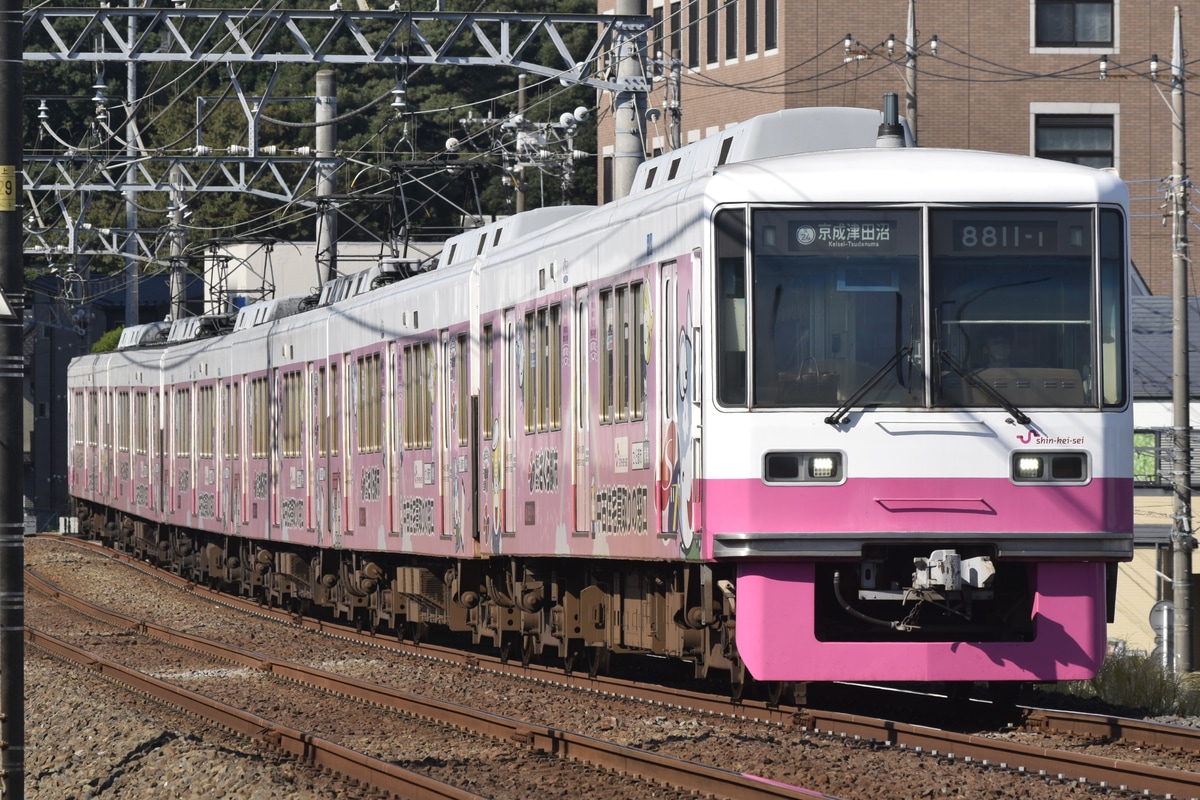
pixel 326 175
pixel 518 170
pixel 1182 542
pixel 178 275
pixel 910 70
pixel 12 512
pixel 629 145
pixel 674 102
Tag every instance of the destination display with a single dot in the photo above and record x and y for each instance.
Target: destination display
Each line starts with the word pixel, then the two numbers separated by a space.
pixel 987 233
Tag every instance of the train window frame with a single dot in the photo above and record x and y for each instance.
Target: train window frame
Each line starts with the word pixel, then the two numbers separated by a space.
pixel 418 411
pixel 621 358
pixel 141 436
pixel 732 367
pixel 323 419
pixel 607 335
pixel 487 390
pixel 462 391
pixel 123 411
pixel 292 412
pixel 205 420
pixel 368 402
pixel 260 434
pixel 93 418
pixel 335 409
pixel 183 422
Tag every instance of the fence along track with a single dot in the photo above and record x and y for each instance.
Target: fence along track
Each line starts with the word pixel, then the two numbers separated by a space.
pixel 689 776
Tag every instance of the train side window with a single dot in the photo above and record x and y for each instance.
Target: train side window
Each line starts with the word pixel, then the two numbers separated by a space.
pixel 1112 308
pixel 323 419
pixel 205 421
pixel 621 358
pixel 183 422
pixel 463 393
pixel 638 346
pixel 554 373
pixel 335 407
pixel 368 405
pixel 731 308
pixel 123 421
pixel 233 442
pixel 529 370
pixel 543 369
pixel 259 418
pixel 93 438
pixel 141 437
pixel 607 345
pixel 489 370
pixel 77 417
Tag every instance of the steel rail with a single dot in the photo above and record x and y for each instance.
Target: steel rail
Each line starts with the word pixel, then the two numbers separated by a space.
pixel 301 746
pixel 998 753
pixel 686 775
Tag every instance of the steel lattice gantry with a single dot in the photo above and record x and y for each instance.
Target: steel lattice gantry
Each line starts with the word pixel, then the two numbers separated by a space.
pixel 283 37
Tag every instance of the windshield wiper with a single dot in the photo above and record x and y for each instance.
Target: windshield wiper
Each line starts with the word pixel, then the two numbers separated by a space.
pixel 842 412
pixel 1019 415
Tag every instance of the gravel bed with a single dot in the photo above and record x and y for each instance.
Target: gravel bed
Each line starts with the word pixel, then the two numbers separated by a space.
pixel 818 763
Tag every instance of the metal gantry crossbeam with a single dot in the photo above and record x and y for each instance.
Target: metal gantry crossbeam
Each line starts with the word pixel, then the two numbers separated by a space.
pixel 99 36
pixel 282 36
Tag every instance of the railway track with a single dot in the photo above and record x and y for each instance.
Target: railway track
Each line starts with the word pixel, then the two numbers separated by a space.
pixel 626 763
pixel 1070 751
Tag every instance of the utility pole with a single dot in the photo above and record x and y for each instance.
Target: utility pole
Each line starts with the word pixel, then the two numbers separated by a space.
pixel 518 176
pixel 629 148
pixel 1182 542
pixel 326 175
pixel 12 367
pixel 177 261
pixel 910 70
pixel 674 104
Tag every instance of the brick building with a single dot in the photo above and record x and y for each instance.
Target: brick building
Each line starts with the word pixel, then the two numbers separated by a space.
pixel 1018 76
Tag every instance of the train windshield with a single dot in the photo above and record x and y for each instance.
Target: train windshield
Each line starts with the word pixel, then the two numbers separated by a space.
pixel 830 311
pixel 1011 293
pixel 835 306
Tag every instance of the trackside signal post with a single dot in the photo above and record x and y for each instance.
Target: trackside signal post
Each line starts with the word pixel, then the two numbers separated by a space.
pixel 12 528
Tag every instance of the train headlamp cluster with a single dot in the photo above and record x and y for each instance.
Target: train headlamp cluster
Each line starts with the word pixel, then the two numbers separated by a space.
pixel 1050 467
pixel 801 467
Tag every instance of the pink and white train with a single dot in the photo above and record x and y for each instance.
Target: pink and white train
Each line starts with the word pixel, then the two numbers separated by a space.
pixel 801 406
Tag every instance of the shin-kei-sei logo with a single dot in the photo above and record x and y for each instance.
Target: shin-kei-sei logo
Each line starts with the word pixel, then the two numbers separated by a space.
pixel 1032 436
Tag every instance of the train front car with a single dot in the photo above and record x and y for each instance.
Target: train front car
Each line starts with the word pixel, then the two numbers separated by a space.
pixel 918 445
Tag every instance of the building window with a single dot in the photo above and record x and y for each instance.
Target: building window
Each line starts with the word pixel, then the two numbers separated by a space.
pixel 676 26
pixel 731 29
pixel 1074 23
pixel 751 27
pixel 1145 458
pixel 1085 139
pixel 693 34
pixel 713 27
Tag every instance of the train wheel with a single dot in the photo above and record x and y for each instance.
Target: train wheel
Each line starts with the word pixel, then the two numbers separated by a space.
pixel 738 678
pixel 598 660
pixel 1005 695
pixel 780 692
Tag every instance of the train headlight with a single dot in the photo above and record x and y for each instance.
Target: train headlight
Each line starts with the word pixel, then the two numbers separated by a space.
pixel 822 467
pixel 1050 468
pixel 801 467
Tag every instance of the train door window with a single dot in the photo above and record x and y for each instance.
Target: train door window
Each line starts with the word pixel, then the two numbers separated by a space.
pixel 640 309
pixel 607 346
pixel 183 422
pixel 141 423
pixel 323 421
pixel 528 363
pixel 510 372
pixel 77 421
pixel 205 421
pixel 418 420
pixel 554 370
pixel 621 355
pixel 487 389
pixel 335 410
pixel 123 421
pixel 1112 309
pixel 667 347
pixel 462 392
pixel 408 375
pixel 93 418
pixel 106 404
pixel 233 416
pixel 731 308
pixel 543 369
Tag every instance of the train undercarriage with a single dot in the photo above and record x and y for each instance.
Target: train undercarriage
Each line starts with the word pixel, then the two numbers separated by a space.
pixel 580 612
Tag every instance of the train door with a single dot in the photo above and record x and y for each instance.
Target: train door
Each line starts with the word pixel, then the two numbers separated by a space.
pixel 508 456
pixel 444 466
pixel 668 400
pixel 581 359
pixel 338 451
